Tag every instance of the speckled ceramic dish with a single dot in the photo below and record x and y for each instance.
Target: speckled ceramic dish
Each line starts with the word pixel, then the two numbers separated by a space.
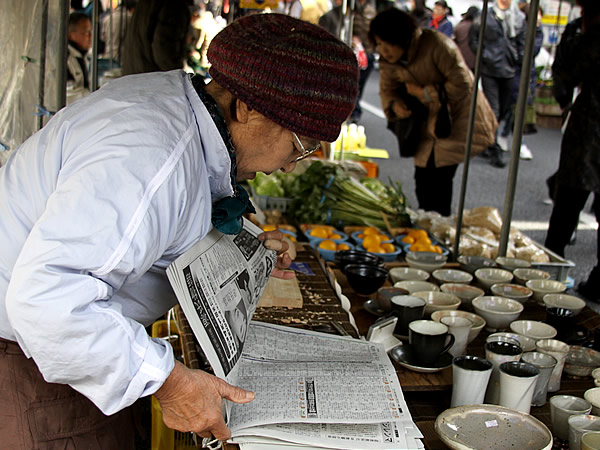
pixel 491 427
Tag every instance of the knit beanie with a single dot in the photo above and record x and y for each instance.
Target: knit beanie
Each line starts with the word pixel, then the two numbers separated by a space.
pixel 293 72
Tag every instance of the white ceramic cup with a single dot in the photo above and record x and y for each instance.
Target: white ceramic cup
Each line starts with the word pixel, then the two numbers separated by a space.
pixel 580 424
pixel 460 327
pixel 590 441
pixel 470 377
pixel 561 408
pixel 545 364
pixel 517 385
pixel 498 353
pixel 559 351
pixel 593 396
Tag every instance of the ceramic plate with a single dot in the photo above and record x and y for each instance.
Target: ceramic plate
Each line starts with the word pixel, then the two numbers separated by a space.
pixel 403 356
pixel 372 306
pixel 491 427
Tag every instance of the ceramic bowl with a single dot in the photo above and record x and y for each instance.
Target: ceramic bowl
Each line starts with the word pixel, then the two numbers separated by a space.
pixel 384 296
pixel 470 263
pixel 345 257
pixel 564 301
pixel 512 291
pixel 543 287
pixel 512 263
pixel 490 276
pixel 533 329
pixel 427 261
pixel 596 376
pixel 387 257
pixel 523 275
pixel 478 321
pixel 329 255
pixel 343 237
pixel 451 276
pixel 491 427
pixel 581 361
pixel 527 344
pixel 465 292
pixel 498 312
pixel 437 301
pixel 407 274
pixel 416 286
pixel 593 397
pixel 365 279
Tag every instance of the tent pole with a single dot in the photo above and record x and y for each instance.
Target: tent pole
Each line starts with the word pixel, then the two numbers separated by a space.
pixel 518 127
pixel 94 71
pixel 471 126
pixel 61 54
pixel 43 44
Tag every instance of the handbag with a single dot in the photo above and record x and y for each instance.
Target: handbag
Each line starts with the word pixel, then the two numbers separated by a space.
pixel 408 131
pixel 443 123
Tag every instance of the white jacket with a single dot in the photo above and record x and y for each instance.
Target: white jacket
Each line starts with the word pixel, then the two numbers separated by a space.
pixel 76 88
pixel 93 207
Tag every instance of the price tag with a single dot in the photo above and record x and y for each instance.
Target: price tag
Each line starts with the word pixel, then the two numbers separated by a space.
pixel 491 423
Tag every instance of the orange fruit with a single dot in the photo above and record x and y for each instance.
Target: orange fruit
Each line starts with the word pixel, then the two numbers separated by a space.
pixel 375 249
pixel 437 249
pixel 418 234
pixel 343 247
pixel 370 241
pixel 408 239
pixel 423 240
pixel 319 232
pixel 389 248
pixel 334 236
pixel 370 230
pixel 269 227
pixel 361 235
pixel 327 245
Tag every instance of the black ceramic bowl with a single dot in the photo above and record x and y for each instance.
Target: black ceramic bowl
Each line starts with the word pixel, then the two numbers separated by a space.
pixel 345 257
pixel 365 279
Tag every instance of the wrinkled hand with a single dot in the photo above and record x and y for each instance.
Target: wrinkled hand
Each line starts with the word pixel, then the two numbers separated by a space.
pixel 191 400
pixel 286 252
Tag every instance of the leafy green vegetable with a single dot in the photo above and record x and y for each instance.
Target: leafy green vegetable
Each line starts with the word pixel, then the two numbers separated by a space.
pixel 325 194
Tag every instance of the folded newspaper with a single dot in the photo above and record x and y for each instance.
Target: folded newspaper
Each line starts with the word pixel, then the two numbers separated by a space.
pixel 313 390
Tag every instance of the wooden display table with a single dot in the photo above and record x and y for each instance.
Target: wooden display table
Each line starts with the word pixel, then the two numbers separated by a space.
pixel 427 394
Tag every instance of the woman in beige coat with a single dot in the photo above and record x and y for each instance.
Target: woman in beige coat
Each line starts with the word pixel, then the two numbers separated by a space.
pixel 423 61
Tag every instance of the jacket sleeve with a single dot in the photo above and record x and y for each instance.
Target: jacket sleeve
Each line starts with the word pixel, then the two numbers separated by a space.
pixel 92 237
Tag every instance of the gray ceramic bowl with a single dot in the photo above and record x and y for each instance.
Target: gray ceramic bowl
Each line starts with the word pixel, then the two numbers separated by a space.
pixel 581 361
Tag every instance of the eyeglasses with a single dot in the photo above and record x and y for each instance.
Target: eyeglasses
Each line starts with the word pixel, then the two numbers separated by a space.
pixel 304 152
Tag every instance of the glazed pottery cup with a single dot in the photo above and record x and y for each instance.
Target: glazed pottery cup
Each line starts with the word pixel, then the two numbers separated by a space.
pixel 429 340
pixel 590 440
pixel 561 408
pixel 470 377
pixel 559 351
pixel 406 308
pixel 580 424
pixel 497 353
pixel 517 385
pixel 593 396
pixel 545 364
pixel 459 327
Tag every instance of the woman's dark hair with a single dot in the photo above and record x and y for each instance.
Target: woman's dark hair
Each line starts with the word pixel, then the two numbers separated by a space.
pixel 393 26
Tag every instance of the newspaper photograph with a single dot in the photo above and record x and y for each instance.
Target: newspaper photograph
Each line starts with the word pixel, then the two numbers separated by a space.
pixel 218 283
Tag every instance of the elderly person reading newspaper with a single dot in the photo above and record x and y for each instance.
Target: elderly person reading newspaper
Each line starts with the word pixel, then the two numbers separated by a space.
pixel 96 205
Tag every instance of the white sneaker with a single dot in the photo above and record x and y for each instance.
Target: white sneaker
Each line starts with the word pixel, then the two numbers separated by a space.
pixel 525 152
pixel 503 143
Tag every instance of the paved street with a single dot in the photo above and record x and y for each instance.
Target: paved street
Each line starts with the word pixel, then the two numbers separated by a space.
pixel 487 184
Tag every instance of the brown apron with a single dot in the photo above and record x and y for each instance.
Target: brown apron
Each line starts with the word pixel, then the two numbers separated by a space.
pixel 35 414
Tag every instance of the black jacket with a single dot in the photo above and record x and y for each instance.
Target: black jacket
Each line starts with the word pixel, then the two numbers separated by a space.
pixel 157 36
pixel 501 54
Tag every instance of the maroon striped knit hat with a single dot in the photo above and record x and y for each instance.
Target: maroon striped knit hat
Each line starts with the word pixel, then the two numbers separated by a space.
pixel 292 72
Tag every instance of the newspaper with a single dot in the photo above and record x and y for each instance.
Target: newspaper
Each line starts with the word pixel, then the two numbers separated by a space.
pixel 311 388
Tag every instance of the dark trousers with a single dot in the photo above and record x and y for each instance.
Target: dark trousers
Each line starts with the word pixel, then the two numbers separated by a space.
pixel 363 76
pixel 40 415
pixel 498 92
pixel 433 186
pixel 568 203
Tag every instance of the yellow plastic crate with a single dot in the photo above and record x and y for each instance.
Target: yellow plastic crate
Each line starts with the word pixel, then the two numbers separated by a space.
pixel 163 437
